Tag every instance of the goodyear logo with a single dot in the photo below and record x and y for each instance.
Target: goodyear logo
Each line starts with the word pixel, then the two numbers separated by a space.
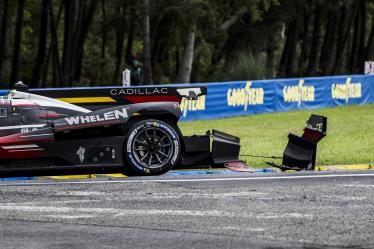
pixel 188 105
pixel 346 91
pixel 298 93
pixel 245 96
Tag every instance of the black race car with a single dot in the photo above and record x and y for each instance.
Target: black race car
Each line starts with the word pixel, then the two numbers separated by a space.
pixel 128 130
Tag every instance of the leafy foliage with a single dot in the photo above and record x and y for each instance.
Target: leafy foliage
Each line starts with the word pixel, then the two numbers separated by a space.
pixel 245 66
pixel 89 42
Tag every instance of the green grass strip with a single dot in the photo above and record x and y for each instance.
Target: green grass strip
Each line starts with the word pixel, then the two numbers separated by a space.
pixel 349 140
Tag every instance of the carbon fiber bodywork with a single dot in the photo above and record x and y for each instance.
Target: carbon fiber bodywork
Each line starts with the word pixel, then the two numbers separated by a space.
pixel 301 152
pixel 45 132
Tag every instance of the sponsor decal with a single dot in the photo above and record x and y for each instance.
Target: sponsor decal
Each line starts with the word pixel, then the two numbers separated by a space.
pixel 176 152
pixel 30 129
pixel 170 131
pixel 347 90
pixel 80 152
pixel 150 124
pixel 106 116
pixel 134 162
pixel 188 105
pixel 298 94
pixel 245 96
pixel 139 91
pixel 131 137
pixel 318 127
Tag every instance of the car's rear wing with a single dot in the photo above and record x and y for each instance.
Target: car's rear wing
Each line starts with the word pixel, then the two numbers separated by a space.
pixel 95 98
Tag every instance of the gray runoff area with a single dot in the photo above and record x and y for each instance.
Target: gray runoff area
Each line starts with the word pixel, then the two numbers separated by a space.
pixel 302 210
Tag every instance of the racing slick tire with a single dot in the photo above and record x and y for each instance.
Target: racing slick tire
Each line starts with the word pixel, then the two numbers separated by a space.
pixel 152 147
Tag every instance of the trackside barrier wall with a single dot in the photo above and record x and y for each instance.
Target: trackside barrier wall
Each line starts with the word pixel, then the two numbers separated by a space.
pixel 253 97
pixel 238 98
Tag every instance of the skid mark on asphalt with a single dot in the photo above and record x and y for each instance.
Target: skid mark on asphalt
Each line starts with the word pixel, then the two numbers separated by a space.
pixel 79 213
pixel 81 193
pixel 357 185
pixel 284 215
pixel 54 202
pixel 249 229
pixel 113 211
pixel 71 216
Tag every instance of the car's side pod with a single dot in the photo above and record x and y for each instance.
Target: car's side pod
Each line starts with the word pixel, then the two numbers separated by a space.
pixel 300 152
pixel 197 151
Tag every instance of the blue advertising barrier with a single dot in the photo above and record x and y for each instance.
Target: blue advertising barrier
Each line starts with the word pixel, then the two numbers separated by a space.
pixel 239 98
pixel 261 96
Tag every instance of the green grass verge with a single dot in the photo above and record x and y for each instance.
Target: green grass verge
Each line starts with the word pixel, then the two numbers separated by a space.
pixel 349 140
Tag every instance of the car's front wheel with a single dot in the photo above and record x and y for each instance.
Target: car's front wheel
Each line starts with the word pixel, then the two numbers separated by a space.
pixel 152 147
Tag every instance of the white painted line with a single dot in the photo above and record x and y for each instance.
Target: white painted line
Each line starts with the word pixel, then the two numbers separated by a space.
pixel 71 216
pixel 358 185
pixel 284 215
pixel 78 211
pixel 126 180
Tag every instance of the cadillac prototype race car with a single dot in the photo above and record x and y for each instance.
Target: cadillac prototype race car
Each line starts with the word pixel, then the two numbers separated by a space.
pixel 128 130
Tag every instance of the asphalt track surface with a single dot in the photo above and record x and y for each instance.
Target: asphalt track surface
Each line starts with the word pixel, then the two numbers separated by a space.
pixel 295 210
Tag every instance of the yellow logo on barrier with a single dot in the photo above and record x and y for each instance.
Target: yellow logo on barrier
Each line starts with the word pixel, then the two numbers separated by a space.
pixel 298 93
pixel 188 105
pixel 347 90
pixel 245 96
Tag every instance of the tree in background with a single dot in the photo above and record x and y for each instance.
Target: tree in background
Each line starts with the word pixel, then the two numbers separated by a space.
pixel 17 41
pixel 41 54
pixel 3 33
pixel 78 18
pixel 147 71
pixel 89 42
